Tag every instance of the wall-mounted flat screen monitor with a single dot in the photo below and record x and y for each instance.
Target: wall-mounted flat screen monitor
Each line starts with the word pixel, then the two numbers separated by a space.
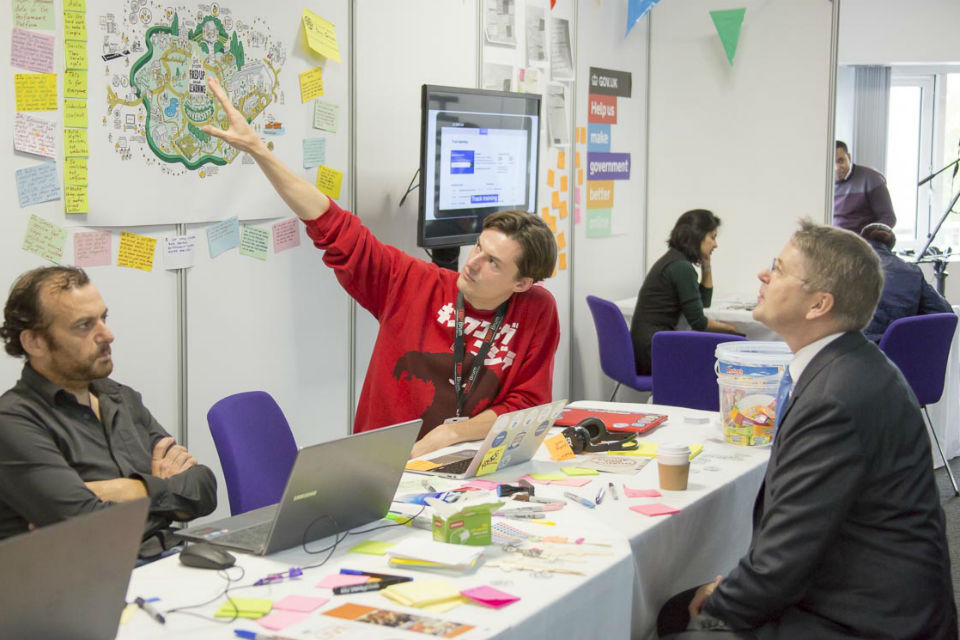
pixel 478 155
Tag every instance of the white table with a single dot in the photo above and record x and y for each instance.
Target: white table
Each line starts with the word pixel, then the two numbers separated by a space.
pixel 734 313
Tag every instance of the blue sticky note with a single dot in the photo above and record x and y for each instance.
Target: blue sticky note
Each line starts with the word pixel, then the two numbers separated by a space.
pixel 223 236
pixel 37 184
pixel 314 152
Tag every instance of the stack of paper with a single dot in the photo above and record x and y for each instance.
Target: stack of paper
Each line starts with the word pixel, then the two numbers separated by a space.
pixel 435 595
pixel 251 608
pixel 428 554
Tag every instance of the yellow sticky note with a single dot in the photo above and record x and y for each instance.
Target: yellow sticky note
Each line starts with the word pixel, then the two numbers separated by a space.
pixel 311 84
pixel 75 54
pixel 564 183
pixel 546 477
pixel 371 547
pixel 580 176
pixel 561 160
pixel 328 181
pixel 559 448
pixel 75 113
pixel 74 5
pixel 562 261
pixel 36 91
pixel 136 251
pixel 75 171
pixel 578 160
pixel 561 241
pixel 75 143
pixel 321 36
pixel 74 25
pixel 551 222
pixel 545 212
pixel 75 199
pixel 421 465
pixel 491 461
pixel 550 177
pixel 563 209
pixel 555 199
pixel 579 471
pixel 75 84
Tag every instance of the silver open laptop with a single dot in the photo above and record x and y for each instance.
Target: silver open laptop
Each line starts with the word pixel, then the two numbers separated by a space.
pixel 333 486
pixel 512 439
pixel 69 580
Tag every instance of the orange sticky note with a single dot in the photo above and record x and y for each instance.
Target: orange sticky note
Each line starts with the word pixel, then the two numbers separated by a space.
pixel 578 159
pixel 564 184
pixel 550 177
pixel 561 160
pixel 563 209
pixel 551 222
pixel 558 447
pixel 544 212
pixel 583 135
pixel 555 199
pixel 580 176
pixel 561 241
pixel 562 261
pixel 421 465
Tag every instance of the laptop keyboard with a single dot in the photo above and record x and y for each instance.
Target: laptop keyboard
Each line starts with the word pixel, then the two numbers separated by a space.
pixel 460 466
pixel 250 537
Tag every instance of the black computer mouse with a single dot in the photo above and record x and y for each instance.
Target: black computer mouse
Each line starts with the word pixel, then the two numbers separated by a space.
pixel 206 556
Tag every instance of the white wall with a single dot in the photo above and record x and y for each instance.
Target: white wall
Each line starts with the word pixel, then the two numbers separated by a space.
pixel 894 31
pixel 750 142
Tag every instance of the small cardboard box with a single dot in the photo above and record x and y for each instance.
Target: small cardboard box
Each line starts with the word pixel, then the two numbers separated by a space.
pixel 463 522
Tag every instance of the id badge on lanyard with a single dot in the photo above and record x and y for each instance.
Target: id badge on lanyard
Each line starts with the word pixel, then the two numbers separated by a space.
pixel 461 386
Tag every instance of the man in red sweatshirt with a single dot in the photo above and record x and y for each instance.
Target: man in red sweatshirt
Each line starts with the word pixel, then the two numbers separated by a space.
pixel 455 349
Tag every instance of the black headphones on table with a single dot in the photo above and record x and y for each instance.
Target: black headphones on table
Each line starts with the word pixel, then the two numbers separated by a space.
pixel 591 435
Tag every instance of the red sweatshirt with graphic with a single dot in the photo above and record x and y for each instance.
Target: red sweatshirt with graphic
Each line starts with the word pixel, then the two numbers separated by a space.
pixel 411 370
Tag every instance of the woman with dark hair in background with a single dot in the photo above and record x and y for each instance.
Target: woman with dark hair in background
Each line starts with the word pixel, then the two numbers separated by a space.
pixel 671 286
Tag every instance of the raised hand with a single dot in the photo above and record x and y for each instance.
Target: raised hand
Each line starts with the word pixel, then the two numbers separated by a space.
pixel 239 133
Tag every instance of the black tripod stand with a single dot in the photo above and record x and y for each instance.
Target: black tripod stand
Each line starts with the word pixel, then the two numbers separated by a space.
pixel 928 253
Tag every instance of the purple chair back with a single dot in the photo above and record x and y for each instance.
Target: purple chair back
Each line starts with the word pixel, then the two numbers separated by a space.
pixel 616 346
pixel 256 448
pixel 683 368
pixel 920 346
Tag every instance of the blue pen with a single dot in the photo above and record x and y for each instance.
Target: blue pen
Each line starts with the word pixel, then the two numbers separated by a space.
pixel 600 494
pixel 253 635
pixel 580 499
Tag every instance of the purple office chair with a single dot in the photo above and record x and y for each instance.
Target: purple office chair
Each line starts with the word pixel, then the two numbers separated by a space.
pixel 920 346
pixel 616 346
pixel 256 448
pixel 683 368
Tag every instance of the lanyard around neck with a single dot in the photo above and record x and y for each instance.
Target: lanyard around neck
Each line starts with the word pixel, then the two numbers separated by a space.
pixel 459 350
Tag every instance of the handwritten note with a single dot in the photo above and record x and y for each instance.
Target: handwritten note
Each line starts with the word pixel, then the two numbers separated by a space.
pixel 321 35
pixel 31 50
pixel 559 448
pixel 33 14
pixel 75 54
pixel 36 91
pixel 325 116
pixel 91 248
pixel 311 84
pixel 75 199
pixel 136 251
pixel 75 113
pixel 75 142
pixel 33 135
pixel 75 84
pixel 329 180
pixel 223 236
pixel 75 171
pixel 286 235
pixel 178 251
pixel 74 26
pixel 37 184
pixel 254 242
pixel 314 152
pixel 74 5
pixel 45 239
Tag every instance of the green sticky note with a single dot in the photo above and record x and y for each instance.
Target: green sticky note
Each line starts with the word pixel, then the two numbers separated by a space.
pixel 548 476
pixel 728 25
pixel 251 608
pixel 254 242
pixel 579 471
pixel 371 547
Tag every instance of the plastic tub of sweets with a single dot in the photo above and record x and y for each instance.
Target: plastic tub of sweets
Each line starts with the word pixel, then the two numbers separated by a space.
pixel 748 374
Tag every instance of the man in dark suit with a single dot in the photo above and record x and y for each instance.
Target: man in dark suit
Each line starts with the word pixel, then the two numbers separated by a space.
pixel 848 537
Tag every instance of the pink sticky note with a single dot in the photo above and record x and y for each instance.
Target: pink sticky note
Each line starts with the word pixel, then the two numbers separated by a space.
pixel 655 509
pixel 571 482
pixel 341 580
pixel 91 248
pixel 484 485
pixel 286 235
pixel 640 493
pixel 32 50
pixel 490 597
pixel 300 603
pixel 276 620
pixel 533 480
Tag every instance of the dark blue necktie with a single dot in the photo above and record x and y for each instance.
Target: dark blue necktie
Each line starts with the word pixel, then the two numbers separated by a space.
pixel 783 398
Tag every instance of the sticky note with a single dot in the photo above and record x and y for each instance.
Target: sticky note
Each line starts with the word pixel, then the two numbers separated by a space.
pixel 576 195
pixel 579 471
pixel 33 14
pixel 325 116
pixel 75 84
pixel 564 183
pixel 75 113
pixel 640 493
pixel 561 160
pixel 74 26
pixel 562 261
pixel 421 465
pixel 34 135
pixel 74 5
pixel 223 236
pixel 254 242
pixel 335 580
pixel 571 482
pixel 36 91
pixel 75 54
pixel 91 248
pixel 136 251
pixel 555 199
pixel 311 84
pixel 550 179
pixel 483 485
pixel 37 184
pixel 75 143
pixel 251 608
pixel 580 176
pixel 559 448
pixel 371 547
pixel 31 50
pixel 300 603
pixel 75 199
pixel 655 509
pixel 561 241
pixel 544 212
pixel 314 152
pixel 75 171
pixel 548 476
pixel 178 251
pixel 578 160
pixel 563 209
pixel 321 35
pixel 329 180
pixel 490 597
pixel 286 235
pixel 551 222
pixel 277 620
pixel 44 239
